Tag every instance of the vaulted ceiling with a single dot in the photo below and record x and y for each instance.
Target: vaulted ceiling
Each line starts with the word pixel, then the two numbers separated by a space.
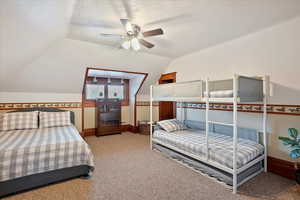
pixel 45 45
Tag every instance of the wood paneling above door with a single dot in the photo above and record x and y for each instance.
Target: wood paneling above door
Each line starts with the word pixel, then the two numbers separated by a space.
pixel 167 110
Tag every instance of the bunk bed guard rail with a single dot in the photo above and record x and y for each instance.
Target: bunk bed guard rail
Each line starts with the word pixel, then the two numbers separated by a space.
pixel 181 92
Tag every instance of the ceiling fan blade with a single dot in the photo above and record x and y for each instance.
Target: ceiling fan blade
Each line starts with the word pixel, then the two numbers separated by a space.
pixel 128 26
pixel 118 36
pixel 154 32
pixel 146 43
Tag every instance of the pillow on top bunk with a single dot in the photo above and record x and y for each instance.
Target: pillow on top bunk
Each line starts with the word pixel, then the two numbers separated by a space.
pixel 18 120
pixel 52 119
pixel 171 125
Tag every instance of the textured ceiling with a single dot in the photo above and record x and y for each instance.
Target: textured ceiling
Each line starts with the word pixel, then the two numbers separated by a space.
pixel 43 48
pixel 36 56
pixel 189 25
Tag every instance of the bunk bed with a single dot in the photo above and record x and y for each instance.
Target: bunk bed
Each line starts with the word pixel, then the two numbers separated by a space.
pixel 225 151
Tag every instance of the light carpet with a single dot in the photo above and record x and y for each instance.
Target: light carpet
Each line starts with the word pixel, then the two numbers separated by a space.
pixel 126 169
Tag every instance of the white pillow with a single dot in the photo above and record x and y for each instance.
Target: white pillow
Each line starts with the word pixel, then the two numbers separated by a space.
pixel 18 120
pixel 171 125
pixel 52 119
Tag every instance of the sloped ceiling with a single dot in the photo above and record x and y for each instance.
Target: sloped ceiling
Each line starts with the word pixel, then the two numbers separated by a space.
pixel 45 46
pixel 27 29
pixel 37 56
pixel 62 67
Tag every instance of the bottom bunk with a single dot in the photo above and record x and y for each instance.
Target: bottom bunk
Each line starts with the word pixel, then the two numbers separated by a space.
pixel 189 147
pixel 217 174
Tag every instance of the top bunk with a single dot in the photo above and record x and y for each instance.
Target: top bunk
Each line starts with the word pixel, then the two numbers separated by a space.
pixel 190 91
pixel 248 89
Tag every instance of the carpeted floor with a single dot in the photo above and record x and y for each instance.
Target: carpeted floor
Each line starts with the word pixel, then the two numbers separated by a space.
pixel 126 169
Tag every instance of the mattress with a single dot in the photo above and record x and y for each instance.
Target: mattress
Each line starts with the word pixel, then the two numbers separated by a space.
pixel 220 146
pixel 27 152
pixel 220 94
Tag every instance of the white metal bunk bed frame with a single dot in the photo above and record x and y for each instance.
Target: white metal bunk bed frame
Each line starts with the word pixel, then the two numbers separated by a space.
pixel 234 170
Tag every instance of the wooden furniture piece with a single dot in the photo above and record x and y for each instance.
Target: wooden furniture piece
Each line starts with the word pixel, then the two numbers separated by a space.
pixel 167 109
pixel 144 127
pixel 108 117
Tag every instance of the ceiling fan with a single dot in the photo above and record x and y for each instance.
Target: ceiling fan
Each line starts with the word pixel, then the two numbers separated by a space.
pixel 133 39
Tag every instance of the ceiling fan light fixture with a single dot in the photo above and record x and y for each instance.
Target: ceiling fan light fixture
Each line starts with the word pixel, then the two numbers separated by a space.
pixel 129 28
pixel 135 44
pixel 126 44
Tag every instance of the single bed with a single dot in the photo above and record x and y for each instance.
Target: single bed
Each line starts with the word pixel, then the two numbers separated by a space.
pixel 220 146
pixel 36 157
pixel 189 148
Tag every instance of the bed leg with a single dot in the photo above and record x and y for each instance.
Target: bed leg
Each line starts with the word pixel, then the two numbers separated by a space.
pixel 234 190
pixel 86 176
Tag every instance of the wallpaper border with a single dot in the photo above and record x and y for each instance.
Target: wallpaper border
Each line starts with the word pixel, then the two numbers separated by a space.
pixel 251 108
pixel 254 108
pixel 12 106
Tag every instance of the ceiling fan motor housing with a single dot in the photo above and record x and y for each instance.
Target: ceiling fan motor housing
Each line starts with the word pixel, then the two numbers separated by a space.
pixel 136 31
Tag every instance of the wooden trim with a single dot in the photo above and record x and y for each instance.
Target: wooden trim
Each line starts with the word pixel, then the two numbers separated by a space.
pixel 147 105
pixel 125 128
pixel 135 97
pixel 83 99
pixel 134 129
pixel 281 167
pixel 92 131
pixel 114 70
pixel 125 102
pixel 168 76
pixel 89 132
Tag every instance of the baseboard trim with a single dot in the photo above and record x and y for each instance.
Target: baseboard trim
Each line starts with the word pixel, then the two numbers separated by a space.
pixel 92 131
pixel 281 167
pixel 134 129
pixel 89 132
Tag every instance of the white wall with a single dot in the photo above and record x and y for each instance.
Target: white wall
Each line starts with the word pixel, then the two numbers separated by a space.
pixel 275 52
pixel 30 97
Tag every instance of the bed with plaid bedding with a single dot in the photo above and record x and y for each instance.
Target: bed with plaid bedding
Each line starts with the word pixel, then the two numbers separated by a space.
pixel 32 151
pixel 220 146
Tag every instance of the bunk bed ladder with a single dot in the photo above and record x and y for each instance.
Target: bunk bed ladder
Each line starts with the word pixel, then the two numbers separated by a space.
pixel 234 125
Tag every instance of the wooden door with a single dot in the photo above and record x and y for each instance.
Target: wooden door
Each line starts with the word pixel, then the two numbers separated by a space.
pixel 167 110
